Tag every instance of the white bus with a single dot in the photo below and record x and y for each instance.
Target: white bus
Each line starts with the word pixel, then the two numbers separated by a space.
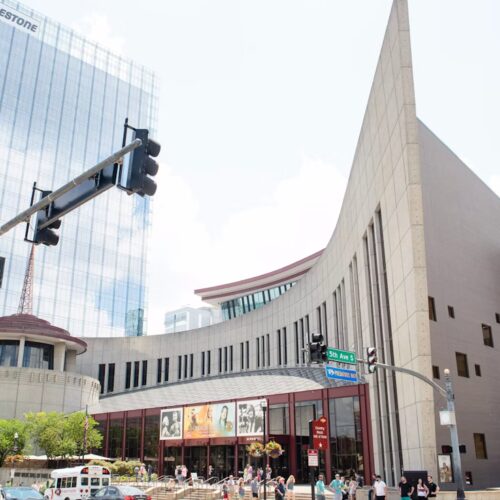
pixel 77 483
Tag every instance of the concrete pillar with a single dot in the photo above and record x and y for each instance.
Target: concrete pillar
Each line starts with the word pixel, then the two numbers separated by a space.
pixel 20 353
pixel 59 353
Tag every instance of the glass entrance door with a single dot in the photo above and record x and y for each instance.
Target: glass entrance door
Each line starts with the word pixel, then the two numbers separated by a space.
pixel 222 460
pixel 171 458
pixel 195 458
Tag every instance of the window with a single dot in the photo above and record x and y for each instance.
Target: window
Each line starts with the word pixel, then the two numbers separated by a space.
pixel 462 365
pixel 136 373
pixel 278 333
pixel 37 355
pixel 497 315
pixel 242 356
pixel 477 368
pixel 179 367
pixel 203 364
pixel 191 363
pixel 167 370
pixel 128 374
pixel 263 349
pixel 231 358
pixel 451 312
pixel 185 366
pixel 285 347
pixel 2 267
pixel 247 345
pixel 220 359
pixel 102 373
pixel 480 446
pixel 432 309
pixel 257 346
pixel 225 358
pixel 111 377
pixel 144 378
pixel 8 352
pixel 296 331
pixel 487 335
pixel 268 348
pixel 159 363
pixel 435 372
pixel 209 363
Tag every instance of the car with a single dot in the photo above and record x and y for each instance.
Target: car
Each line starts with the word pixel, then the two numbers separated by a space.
pixel 20 493
pixel 119 492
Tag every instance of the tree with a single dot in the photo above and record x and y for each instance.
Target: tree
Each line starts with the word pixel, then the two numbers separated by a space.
pixel 60 435
pixel 8 429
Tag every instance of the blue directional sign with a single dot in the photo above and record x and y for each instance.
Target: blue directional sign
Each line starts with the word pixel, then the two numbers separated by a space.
pixel 340 373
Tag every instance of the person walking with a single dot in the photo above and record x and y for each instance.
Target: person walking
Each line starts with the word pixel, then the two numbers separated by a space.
pixel 433 488
pixel 184 473
pixel 290 484
pixel 370 492
pixel 337 485
pixel 241 489
pixel 352 488
pixel 320 488
pixel 280 490
pixel 254 486
pixel 379 488
pixel 405 489
pixel 231 484
pixel 422 490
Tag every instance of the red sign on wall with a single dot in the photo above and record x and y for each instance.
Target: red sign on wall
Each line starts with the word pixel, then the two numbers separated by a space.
pixel 320 433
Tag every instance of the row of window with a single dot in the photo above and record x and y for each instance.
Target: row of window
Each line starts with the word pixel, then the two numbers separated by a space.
pixel 133 378
pixel 241 305
pixel 462 367
pixel 35 354
pixel 162 370
pixel 487 333
pixel 479 447
pixel 185 366
pixel 110 387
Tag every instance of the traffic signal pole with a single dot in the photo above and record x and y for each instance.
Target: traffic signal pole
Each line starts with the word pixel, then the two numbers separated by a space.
pixel 80 179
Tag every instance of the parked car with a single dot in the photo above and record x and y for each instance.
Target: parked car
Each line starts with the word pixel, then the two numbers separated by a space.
pixel 20 493
pixel 119 492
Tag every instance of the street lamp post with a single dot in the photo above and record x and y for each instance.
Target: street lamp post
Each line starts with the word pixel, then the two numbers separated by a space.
pixel 457 464
pixel 15 448
pixel 263 405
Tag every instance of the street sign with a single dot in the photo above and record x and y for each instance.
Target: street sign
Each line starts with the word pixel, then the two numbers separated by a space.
pixel 320 433
pixel 340 373
pixel 340 356
pixel 312 458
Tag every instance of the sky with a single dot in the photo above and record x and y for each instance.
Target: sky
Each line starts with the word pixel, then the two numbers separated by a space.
pixel 260 107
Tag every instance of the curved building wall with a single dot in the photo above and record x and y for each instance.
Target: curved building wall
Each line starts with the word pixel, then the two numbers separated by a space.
pixel 368 288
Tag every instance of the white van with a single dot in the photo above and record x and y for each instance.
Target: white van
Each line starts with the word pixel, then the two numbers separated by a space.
pixel 77 483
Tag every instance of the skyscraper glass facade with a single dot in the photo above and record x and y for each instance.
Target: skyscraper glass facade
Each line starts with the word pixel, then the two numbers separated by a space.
pixel 63 100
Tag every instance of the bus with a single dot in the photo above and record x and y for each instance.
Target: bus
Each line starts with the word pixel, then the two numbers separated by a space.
pixel 77 483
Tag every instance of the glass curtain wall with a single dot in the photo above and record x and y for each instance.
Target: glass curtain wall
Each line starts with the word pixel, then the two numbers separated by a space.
pixel 9 350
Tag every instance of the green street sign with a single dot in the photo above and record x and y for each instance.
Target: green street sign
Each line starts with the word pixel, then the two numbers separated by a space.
pixel 341 356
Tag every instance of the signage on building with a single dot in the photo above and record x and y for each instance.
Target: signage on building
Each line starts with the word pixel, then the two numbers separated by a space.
pixel 210 421
pixel 312 458
pixel 250 417
pixel 171 424
pixel 18 20
pixel 340 373
pixel 340 356
pixel 320 433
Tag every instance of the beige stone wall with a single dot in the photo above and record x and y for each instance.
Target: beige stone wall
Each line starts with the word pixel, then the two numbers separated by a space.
pixel 30 390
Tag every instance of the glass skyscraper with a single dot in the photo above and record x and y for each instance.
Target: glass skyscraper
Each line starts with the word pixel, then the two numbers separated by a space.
pixel 63 100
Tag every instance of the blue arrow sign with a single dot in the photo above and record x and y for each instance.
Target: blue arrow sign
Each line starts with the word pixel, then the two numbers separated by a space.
pixel 340 373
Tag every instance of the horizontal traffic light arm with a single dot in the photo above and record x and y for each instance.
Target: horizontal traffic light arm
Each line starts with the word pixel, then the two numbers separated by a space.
pixel 58 193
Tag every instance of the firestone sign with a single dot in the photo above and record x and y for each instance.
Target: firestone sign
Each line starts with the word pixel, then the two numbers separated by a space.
pixel 320 433
pixel 19 20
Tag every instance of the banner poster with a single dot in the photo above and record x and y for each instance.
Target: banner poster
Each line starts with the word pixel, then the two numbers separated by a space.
pixel 209 421
pixel 171 424
pixel 250 418
pixel 445 469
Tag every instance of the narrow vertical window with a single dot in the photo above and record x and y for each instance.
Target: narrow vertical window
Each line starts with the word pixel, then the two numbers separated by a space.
pixel 203 363
pixel 432 309
pixel 278 333
pixel 263 350
pixel 166 373
pixel 111 377
pixel 128 374
pixel 497 317
pixel 179 367
pixel 318 317
pixel 480 446
pixel 102 374
pixel 137 367
pixel 144 376
pixel 257 342
pixel 477 369
pixel 159 367
pixel 296 331
pixel 302 340
pixel 230 358
pixel 462 365
pixel 451 311
pixel 185 365
pixel 2 267
pixel 220 359
pixel 268 348
pixel 285 347
pixel 487 335
pixel 242 358
pixel 191 365
pixel 209 363
pixel 435 372
pixel 225 358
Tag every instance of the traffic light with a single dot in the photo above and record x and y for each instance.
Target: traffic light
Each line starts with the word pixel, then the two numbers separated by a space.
pixel 371 356
pixel 317 348
pixel 45 234
pixel 142 165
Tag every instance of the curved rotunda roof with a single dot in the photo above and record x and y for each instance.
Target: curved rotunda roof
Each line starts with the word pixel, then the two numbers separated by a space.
pixel 28 324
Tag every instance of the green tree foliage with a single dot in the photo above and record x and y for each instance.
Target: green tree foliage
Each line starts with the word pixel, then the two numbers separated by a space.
pixel 60 435
pixel 8 429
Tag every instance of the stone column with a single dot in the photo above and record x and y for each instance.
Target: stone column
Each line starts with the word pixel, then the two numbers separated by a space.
pixel 20 353
pixel 59 353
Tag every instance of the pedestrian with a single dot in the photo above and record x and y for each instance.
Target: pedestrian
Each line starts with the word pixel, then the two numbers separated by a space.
pixel 225 491
pixel 433 487
pixel 290 484
pixel 136 472
pixel 178 474
pixel 269 472
pixel 337 486
pixel 184 473
pixel 142 472
pixel 241 489
pixel 280 490
pixel 352 488
pixel 210 470
pixel 320 488
pixel 231 484
pixel 422 490
pixel 380 488
pixel 405 489
pixel 150 471
pixel 372 484
pixel 254 486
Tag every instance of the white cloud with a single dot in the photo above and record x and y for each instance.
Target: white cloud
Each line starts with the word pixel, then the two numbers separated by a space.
pixel 97 27
pixel 494 183
pixel 297 221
